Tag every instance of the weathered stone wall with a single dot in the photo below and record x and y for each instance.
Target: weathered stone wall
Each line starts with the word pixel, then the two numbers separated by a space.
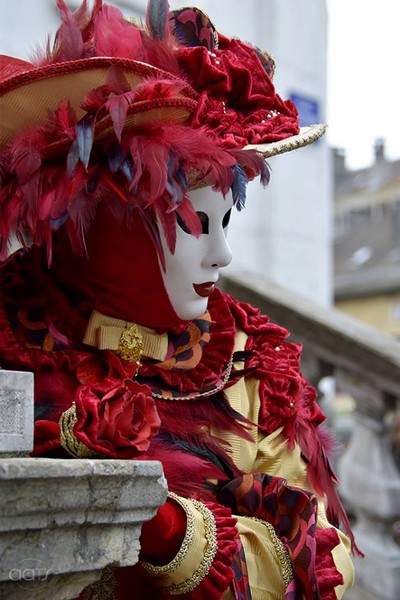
pixel 63 521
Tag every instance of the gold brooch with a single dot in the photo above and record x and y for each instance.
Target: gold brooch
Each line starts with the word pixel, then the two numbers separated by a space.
pixel 130 346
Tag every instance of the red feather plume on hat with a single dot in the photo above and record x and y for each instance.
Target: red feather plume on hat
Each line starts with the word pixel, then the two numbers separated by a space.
pixel 135 138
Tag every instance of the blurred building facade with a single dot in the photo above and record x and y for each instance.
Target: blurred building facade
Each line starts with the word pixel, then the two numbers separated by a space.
pixel 367 241
pixel 284 234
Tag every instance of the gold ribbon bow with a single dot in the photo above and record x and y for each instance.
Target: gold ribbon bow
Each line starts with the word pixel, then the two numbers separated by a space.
pixel 130 340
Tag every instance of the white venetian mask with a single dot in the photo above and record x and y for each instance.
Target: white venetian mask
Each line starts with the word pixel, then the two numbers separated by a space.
pixel 192 271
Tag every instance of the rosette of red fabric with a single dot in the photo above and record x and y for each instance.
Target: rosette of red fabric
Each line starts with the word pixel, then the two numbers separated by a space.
pixel 238 100
pixel 116 418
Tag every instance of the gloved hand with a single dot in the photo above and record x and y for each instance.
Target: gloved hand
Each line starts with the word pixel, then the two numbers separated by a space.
pixel 162 537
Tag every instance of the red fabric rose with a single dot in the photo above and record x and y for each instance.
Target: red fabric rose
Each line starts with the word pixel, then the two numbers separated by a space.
pixel 283 394
pixel 237 95
pixel 116 418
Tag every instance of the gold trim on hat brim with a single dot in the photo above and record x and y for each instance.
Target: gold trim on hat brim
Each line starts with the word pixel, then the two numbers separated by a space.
pixel 27 98
pixel 307 135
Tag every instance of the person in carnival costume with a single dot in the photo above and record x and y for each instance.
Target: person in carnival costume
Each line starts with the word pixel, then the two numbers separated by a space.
pixel 123 150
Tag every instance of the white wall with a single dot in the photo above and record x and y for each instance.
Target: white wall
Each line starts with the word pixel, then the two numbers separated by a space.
pixel 284 233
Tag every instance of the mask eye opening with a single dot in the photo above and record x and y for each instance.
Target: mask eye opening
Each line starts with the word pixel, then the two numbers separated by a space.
pixel 226 219
pixel 204 220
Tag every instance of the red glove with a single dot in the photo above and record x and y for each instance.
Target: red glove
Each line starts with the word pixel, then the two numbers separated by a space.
pixel 162 537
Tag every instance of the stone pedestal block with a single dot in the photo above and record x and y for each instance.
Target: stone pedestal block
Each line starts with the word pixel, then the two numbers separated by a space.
pixel 16 412
pixel 63 521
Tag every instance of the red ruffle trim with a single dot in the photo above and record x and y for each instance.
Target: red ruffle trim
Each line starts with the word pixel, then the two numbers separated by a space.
pixel 328 576
pixel 212 585
pixel 220 574
pixel 216 355
pixel 286 398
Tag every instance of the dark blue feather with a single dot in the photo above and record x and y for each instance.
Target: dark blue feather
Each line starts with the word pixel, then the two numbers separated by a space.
pixel 177 181
pixel 85 135
pixel 239 185
pixel 127 169
pixel 156 19
pixel 175 191
pixel 72 158
pixel 115 156
pixel 91 185
pixel 265 174
pixel 58 221
pixel 181 177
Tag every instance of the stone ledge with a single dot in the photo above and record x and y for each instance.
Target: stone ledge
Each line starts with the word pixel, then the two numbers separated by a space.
pixel 63 521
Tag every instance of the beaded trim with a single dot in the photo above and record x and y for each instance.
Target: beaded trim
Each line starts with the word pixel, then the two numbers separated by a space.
pixel 212 546
pixel 281 551
pixel 68 440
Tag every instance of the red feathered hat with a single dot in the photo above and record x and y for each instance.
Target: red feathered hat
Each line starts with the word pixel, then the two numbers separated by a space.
pixel 139 114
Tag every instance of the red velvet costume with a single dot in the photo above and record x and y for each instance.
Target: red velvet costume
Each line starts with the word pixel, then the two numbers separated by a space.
pixel 89 178
pixel 42 329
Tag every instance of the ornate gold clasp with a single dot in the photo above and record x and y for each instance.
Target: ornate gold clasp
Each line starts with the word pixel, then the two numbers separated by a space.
pixel 130 345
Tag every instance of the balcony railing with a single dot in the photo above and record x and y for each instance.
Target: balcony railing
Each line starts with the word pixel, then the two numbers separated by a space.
pixel 365 364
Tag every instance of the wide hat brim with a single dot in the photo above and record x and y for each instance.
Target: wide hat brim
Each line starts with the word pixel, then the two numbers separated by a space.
pixel 28 97
pixel 306 136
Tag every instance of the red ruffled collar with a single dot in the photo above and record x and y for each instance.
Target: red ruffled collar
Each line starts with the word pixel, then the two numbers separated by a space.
pixel 40 326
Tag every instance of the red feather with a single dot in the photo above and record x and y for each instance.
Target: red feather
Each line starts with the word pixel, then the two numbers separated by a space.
pixel 317 446
pixel 189 216
pixel 25 157
pixel 160 42
pixel 115 36
pixel 167 221
pixel 68 41
pixel 177 465
pixel 156 88
pixel 118 108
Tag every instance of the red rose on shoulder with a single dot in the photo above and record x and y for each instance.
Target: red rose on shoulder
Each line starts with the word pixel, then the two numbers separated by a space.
pixel 116 418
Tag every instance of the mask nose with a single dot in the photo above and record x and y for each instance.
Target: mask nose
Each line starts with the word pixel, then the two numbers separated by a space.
pixel 220 254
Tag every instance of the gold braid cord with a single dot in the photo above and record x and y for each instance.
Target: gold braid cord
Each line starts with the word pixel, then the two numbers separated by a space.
pixel 211 549
pixel 68 440
pixel 281 551
pixel 104 588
